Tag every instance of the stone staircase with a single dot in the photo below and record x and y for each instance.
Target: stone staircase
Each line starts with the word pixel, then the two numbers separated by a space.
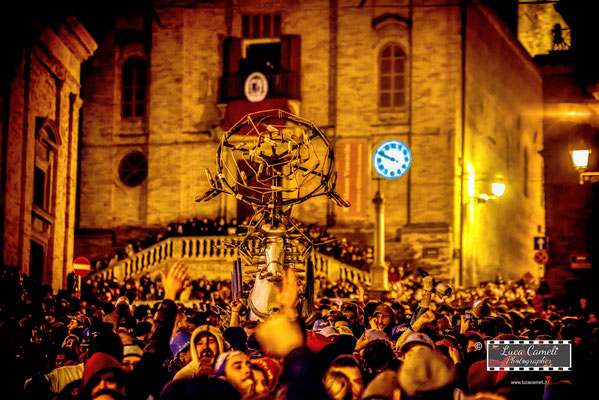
pixel 208 257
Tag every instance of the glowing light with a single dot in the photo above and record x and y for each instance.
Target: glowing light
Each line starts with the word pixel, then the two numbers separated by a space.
pixel 498 188
pixel 471 184
pixel 580 158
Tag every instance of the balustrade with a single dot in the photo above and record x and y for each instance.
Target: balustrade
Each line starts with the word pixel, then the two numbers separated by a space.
pixel 212 248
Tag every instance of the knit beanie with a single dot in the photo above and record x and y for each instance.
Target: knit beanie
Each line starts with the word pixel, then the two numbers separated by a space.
pixel 272 370
pixel 98 362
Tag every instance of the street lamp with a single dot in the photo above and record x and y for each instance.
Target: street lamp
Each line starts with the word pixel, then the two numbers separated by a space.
pixel 497 190
pixel 580 160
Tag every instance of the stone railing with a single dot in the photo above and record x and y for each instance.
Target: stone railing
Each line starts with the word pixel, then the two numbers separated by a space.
pixel 204 252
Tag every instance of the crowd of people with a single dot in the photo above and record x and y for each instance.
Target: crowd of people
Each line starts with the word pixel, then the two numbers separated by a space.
pixel 106 342
pixel 340 249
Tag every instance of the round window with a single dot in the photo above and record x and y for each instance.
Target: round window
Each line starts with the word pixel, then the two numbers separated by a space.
pixel 133 169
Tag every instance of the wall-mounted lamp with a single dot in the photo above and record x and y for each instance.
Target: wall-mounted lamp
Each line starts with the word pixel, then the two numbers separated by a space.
pixel 580 160
pixel 497 190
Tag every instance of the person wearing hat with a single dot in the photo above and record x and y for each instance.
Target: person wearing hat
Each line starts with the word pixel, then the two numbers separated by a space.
pixel 369 336
pixel 416 340
pixel 78 323
pixel 265 372
pixel 320 324
pixel 103 378
pixel 180 349
pixel 235 367
pixel 426 373
pixel 131 355
pixel 383 319
pixel 424 319
pixel 207 344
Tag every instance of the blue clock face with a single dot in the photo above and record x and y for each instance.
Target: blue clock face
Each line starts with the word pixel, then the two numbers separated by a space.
pixel 392 159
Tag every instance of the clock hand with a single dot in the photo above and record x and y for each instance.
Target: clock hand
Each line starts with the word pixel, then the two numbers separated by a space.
pixel 387 157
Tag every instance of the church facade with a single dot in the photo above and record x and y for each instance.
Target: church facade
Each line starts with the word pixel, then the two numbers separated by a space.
pixel 39 120
pixel 451 81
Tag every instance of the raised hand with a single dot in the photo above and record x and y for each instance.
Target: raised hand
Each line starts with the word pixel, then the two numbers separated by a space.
pixel 424 319
pixel 174 281
pixel 236 306
pixel 287 295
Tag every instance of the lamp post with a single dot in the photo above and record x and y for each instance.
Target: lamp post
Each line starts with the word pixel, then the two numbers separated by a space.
pixel 391 160
pixel 580 160
pixel 380 280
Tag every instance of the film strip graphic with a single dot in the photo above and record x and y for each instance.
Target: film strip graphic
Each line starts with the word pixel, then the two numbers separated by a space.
pixel 529 355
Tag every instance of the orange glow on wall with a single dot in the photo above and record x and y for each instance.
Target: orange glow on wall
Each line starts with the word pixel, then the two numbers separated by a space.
pixel 352 174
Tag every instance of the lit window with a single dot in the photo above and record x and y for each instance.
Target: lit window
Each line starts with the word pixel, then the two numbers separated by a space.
pixel 392 83
pixel 134 87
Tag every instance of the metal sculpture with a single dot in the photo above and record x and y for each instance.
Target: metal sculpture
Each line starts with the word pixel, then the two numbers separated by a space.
pixel 288 161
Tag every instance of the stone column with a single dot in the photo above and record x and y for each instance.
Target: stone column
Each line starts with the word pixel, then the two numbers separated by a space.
pixel 380 282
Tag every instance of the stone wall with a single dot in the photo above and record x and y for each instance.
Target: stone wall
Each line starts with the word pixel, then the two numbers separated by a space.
pixel 503 129
pixel 340 46
pixel 42 121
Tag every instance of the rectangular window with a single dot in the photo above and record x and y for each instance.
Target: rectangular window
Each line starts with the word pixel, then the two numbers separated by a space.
pixel 256 26
pixel 39 187
pixel 266 28
pixel 134 76
pixel 260 25
pixel 245 26
pixel 277 25
pixel 392 78
pixel 36 261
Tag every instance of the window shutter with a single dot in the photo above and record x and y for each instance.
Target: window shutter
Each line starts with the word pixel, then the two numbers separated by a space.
pixel 291 62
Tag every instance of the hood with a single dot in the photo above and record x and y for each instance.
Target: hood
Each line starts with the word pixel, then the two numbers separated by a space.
pixel 203 329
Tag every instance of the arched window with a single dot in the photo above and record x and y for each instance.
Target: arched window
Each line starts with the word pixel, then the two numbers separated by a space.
pixel 392 78
pixel 46 150
pixel 134 76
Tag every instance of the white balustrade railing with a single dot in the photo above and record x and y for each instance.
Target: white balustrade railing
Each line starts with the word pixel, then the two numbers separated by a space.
pixel 212 248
